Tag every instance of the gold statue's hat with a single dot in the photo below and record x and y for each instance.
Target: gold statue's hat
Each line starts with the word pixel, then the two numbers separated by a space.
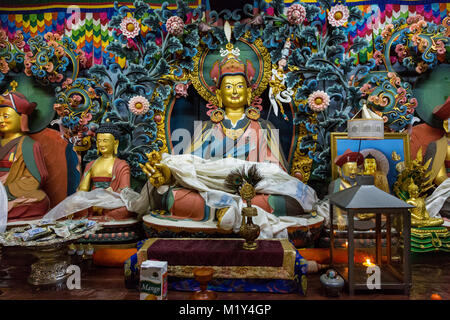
pixel 20 104
pixel 232 65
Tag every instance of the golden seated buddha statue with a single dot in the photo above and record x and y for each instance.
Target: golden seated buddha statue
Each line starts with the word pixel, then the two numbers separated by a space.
pixel 419 215
pixel 22 165
pixel 235 136
pixel 106 172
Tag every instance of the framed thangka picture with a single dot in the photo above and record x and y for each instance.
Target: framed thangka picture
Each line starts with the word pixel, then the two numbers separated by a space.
pixel 392 153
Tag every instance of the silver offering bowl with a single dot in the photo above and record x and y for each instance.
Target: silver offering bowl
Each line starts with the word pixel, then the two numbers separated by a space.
pixel 50 269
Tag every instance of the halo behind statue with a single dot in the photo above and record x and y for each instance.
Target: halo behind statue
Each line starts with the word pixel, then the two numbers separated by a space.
pixel 382 160
pixel 255 52
pixel 44 113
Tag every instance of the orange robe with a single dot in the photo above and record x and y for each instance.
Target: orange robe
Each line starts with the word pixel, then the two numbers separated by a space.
pixel 23 172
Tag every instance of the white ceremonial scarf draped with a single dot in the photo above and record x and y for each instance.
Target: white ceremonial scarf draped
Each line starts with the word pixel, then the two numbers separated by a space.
pixel 208 178
pixel 436 200
pixel 3 208
pixel 83 200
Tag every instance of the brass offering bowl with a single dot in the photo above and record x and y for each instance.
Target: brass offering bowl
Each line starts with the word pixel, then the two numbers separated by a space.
pixel 203 275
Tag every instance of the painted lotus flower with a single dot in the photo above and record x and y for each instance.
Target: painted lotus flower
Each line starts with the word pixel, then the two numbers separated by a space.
pixel 439 47
pixel 379 57
pixel 387 31
pixel 67 83
pixel 366 89
pixel 138 105
pixel 318 101
pixel 338 15
pixel 296 14
pixel 414 19
pixel 402 51
pixel 421 67
pixel 130 27
pixel 175 25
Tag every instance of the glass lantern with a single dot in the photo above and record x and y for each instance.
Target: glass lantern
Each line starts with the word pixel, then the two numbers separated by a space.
pixel 380 264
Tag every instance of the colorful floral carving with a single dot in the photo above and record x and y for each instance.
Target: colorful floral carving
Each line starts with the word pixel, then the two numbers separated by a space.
pixel 418 46
pixel 338 15
pixel 138 105
pixel 130 27
pixel 318 101
pixel 322 76
pixel 296 14
pixel 175 25
pixel 387 94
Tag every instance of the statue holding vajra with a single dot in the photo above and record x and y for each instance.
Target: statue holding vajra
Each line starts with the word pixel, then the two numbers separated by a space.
pixel 22 165
pixel 191 187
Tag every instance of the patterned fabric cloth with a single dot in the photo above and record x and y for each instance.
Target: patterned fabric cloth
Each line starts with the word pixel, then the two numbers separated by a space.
pixel 298 284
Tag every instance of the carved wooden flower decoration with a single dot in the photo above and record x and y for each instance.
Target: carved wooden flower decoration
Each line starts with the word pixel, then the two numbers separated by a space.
pixel 175 25
pixel 130 27
pixel 296 14
pixel 138 105
pixel 338 15
pixel 318 101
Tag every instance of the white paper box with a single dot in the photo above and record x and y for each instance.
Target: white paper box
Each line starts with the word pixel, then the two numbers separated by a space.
pixel 153 280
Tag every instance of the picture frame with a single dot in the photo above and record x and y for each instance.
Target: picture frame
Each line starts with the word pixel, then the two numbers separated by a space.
pixel 383 150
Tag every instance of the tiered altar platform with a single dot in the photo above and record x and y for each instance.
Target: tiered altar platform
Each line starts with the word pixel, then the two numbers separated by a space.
pixel 275 266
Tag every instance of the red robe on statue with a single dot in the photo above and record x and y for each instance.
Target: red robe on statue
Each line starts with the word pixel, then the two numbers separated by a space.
pixel 120 179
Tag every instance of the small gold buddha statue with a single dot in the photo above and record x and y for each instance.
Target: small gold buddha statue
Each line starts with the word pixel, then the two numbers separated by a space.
pixel 419 215
pixel 348 165
pixel 380 180
pixel 107 171
pixel 22 166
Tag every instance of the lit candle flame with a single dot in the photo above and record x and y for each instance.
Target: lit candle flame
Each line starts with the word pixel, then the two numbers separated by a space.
pixel 368 263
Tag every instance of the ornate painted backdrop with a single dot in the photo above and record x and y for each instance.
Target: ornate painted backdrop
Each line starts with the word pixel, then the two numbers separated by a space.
pixel 91 33
pixel 330 50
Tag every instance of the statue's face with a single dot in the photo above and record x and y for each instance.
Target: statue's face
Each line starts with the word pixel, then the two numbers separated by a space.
pixel 370 165
pixel 106 143
pixel 350 169
pixel 445 125
pixel 234 91
pixel 413 191
pixel 9 120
